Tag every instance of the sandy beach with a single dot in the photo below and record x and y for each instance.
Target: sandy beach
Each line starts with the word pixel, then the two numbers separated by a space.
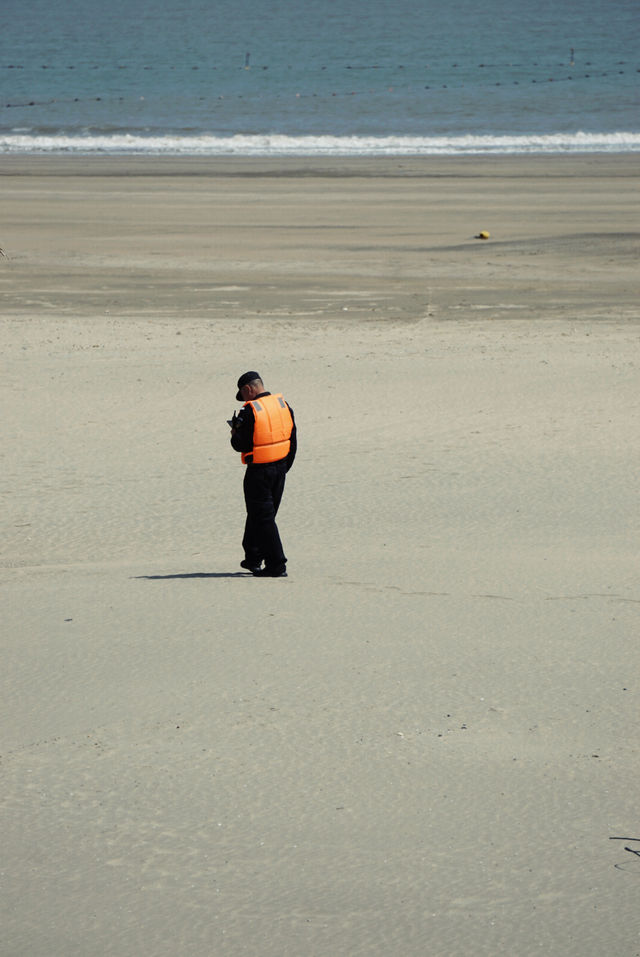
pixel 423 742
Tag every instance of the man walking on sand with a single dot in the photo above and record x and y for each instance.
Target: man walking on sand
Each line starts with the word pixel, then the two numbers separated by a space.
pixel 264 432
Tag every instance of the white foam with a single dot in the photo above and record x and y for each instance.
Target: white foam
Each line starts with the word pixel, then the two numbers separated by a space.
pixel 281 145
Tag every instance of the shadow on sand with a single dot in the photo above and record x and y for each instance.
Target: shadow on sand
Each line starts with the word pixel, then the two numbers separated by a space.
pixel 195 575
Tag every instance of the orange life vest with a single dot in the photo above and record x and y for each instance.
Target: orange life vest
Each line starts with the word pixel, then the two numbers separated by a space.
pixel 271 431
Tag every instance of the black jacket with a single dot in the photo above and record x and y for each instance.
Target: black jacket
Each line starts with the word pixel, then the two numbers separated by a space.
pixel 242 437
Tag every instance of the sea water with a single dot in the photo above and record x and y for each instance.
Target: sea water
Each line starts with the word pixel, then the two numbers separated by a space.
pixel 332 77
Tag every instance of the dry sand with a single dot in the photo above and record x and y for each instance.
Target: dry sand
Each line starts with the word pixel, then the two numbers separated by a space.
pixel 424 740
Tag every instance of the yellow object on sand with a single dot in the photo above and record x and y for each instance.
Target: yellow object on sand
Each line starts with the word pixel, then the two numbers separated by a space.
pixel 483 235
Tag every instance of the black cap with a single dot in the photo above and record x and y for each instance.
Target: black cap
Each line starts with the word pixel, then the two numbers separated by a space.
pixel 245 380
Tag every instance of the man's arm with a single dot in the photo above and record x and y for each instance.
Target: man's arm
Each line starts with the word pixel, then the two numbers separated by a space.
pixel 242 433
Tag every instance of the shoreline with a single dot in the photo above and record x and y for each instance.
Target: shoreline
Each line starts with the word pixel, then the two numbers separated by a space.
pixel 538 164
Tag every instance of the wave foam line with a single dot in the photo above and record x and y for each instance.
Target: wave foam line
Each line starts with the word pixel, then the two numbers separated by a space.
pixel 281 145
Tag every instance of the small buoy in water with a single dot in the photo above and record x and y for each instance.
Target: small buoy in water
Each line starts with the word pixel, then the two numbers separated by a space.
pixel 483 235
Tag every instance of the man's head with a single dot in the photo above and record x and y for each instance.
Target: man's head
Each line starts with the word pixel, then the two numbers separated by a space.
pixel 249 386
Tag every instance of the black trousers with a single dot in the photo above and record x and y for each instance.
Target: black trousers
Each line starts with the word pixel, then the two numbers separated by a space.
pixel 263 487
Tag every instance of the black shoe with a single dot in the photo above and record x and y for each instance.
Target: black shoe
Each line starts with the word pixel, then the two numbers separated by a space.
pixel 251 566
pixel 270 572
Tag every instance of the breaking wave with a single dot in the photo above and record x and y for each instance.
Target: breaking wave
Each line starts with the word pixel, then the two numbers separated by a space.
pixel 281 145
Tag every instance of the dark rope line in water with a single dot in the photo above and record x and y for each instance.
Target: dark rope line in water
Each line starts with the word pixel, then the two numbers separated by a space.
pixel 349 66
pixel 280 96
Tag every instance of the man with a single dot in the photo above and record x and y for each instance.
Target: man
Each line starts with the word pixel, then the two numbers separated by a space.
pixel 264 432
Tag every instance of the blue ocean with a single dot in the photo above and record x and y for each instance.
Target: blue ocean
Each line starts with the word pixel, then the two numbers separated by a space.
pixel 319 77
